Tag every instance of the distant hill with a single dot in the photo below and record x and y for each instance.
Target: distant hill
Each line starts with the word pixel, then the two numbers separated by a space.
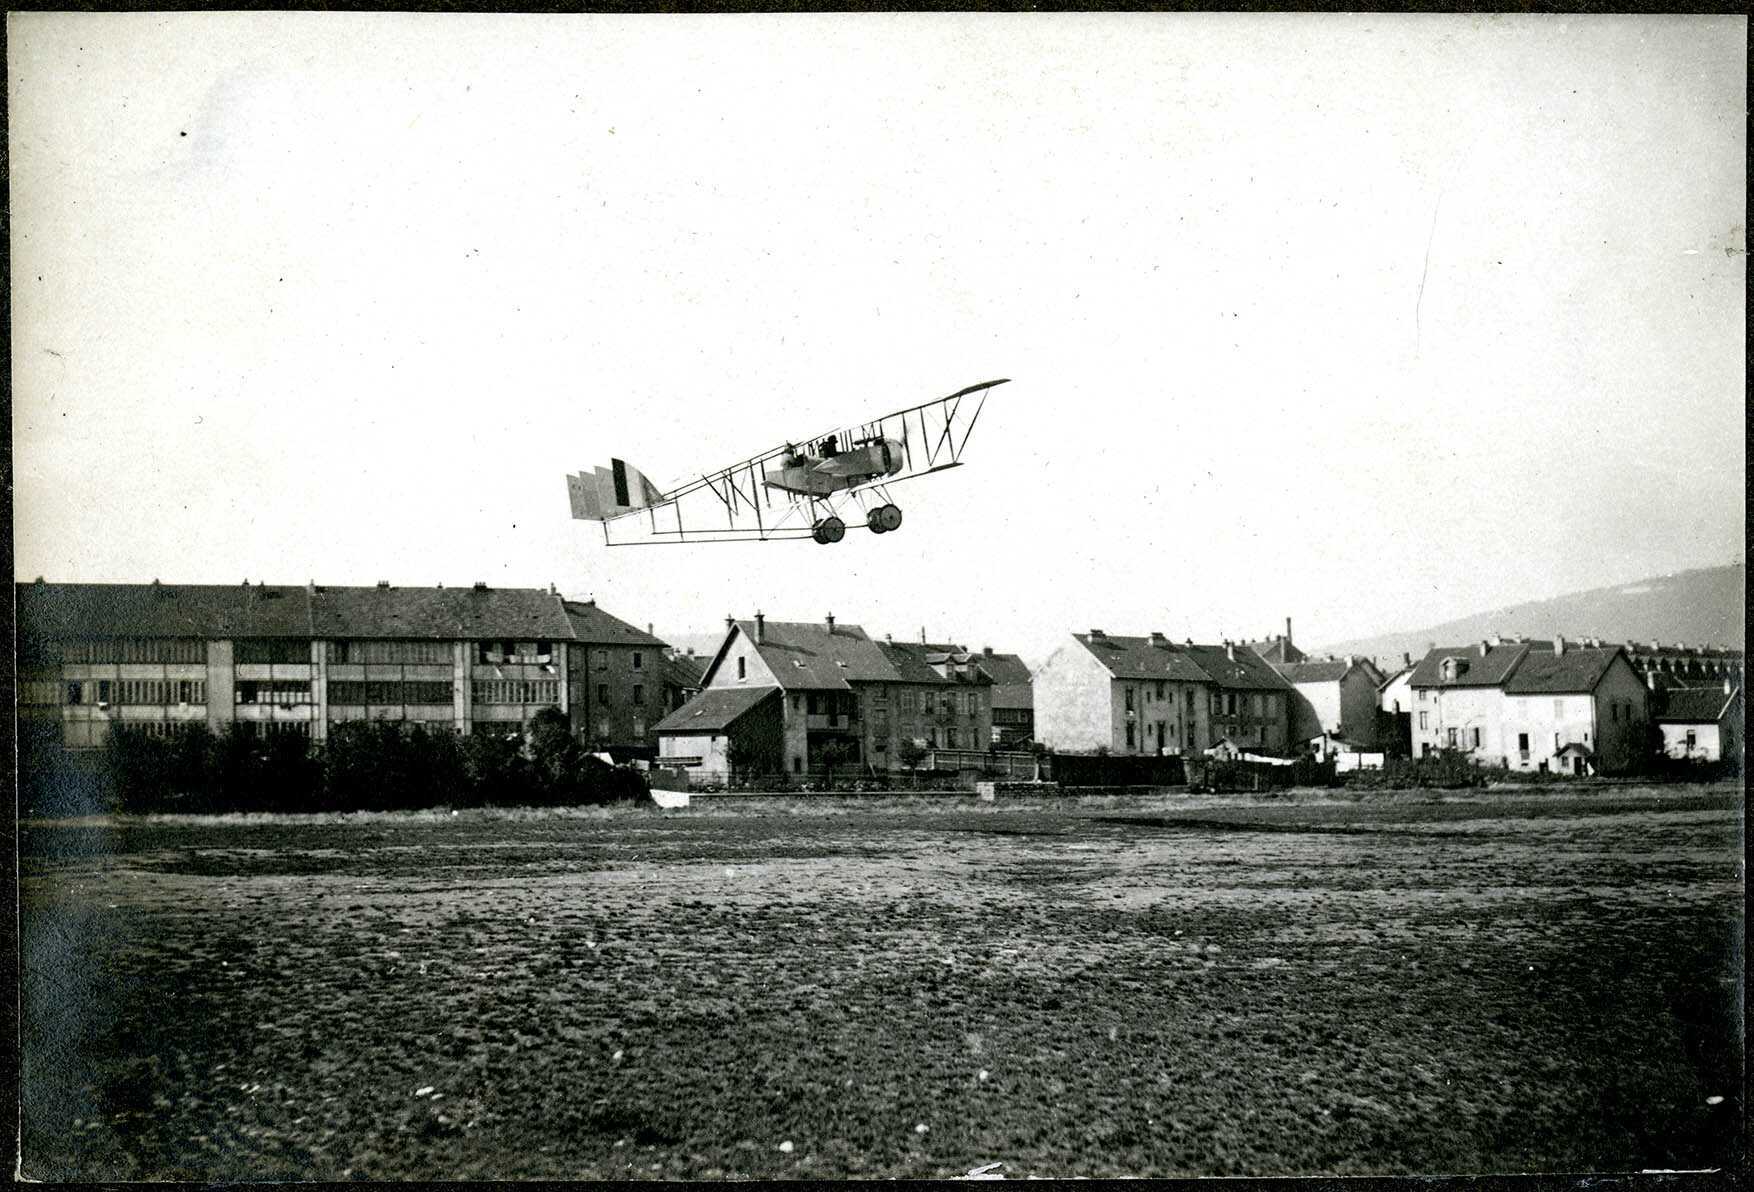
pixel 1703 607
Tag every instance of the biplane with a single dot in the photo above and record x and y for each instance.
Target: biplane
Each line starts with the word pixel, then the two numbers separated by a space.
pixel 806 488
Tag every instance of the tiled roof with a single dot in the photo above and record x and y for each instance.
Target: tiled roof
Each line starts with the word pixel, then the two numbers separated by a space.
pixel 288 611
pixel 715 709
pixel 512 613
pixel 1277 650
pixel 1137 658
pixel 805 656
pixel 1312 672
pixel 163 610
pixel 1240 669
pixel 684 670
pixel 1405 670
pixel 1005 670
pixel 1488 670
pixel 914 663
pixel 1577 670
pixel 591 624
pixel 1694 705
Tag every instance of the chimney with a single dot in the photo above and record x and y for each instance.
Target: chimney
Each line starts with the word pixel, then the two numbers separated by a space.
pixel 1650 679
pixel 1230 650
pixel 1558 645
pixel 730 623
pixel 1157 639
pixel 889 638
pixel 760 628
pixel 1496 639
pixel 1096 635
pixel 649 632
pixel 1288 629
pixel 383 585
pixel 1484 646
pixel 830 622
pixel 481 586
pixel 1406 659
pixel 987 651
pixel 922 635
pixel 1728 690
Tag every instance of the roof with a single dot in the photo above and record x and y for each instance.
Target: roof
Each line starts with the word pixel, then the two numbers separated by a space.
pixel 512 613
pixel 806 656
pixel 1488 670
pixel 1238 670
pixel 1405 670
pixel 1312 672
pixel 714 710
pixel 1695 705
pixel 48 610
pixel 1578 669
pixel 1138 658
pixel 1141 658
pixel 684 670
pixel 917 662
pixel 1005 670
pixel 591 624
pixel 1277 649
pixel 162 610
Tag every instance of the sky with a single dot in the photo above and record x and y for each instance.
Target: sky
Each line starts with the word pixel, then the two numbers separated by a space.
pixel 1370 322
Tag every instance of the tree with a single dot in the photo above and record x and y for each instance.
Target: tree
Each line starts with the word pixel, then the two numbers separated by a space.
pixel 911 754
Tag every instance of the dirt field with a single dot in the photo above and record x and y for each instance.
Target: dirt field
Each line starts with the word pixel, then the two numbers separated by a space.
pixel 1141 986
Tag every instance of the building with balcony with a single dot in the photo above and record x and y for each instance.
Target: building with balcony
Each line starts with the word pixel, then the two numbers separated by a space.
pixel 271 658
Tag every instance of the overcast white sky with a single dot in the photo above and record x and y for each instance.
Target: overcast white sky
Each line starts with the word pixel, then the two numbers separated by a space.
pixel 1371 322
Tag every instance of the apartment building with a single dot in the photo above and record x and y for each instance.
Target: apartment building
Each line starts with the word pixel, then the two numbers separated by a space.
pixel 300 659
pixel 616 676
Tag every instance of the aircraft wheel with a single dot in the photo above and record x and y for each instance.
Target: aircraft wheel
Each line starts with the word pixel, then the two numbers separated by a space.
pixel 833 529
pixel 817 535
pixel 874 521
pixel 889 516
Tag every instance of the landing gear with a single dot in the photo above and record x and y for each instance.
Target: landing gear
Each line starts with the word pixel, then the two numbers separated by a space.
pixel 883 519
pixel 829 529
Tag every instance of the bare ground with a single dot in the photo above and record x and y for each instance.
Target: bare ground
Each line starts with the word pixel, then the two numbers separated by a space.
pixel 1400 983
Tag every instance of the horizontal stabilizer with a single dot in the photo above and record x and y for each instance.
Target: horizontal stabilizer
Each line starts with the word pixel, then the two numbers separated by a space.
pixel 604 493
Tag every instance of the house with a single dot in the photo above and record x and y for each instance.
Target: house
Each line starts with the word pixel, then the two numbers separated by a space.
pixel 615 680
pixel 842 699
pixel 1394 717
pixel 1278 648
pixel 1679 664
pixel 1518 704
pixel 725 732
pixel 683 672
pixel 277 658
pixel 1702 723
pixel 1148 695
pixel 1334 696
pixel 1013 698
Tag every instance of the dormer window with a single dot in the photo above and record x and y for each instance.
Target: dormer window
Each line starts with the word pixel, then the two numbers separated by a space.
pixel 1453 669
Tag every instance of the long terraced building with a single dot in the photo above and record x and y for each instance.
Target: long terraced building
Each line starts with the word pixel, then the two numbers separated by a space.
pixel 300 659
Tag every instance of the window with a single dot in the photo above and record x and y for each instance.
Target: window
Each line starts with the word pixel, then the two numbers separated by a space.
pixel 1692 740
pixel 639 726
pixel 545 649
pixel 1476 738
pixel 797 703
pixel 603 660
pixel 880 694
pixel 103 691
pixel 1522 744
pixel 1558 708
pixel 742 668
pixel 638 660
pixel 1450 738
pixel 1230 703
pixel 603 694
pixel 639 691
pixel 1129 692
pixel 951 737
pixel 880 722
pixel 1190 695
pixel 797 765
pixel 75 693
pixel 1423 720
pixel 1129 736
pixel 1160 689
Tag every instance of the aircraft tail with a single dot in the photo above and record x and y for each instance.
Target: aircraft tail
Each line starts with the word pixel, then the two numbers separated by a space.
pixel 604 493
